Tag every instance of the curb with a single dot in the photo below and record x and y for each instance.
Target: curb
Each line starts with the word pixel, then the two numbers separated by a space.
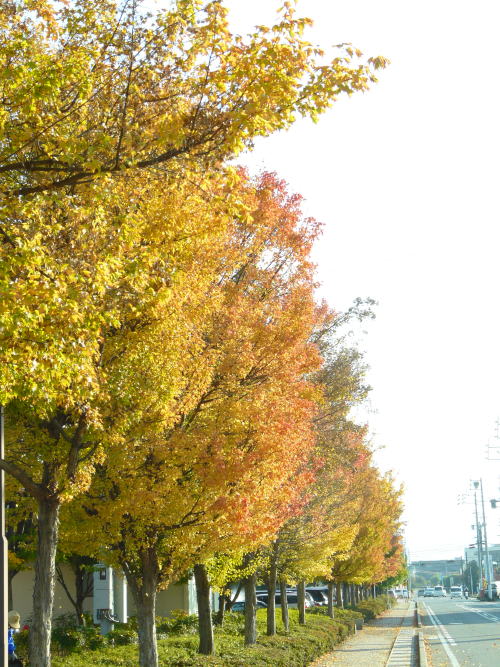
pixel 403 652
pixel 422 656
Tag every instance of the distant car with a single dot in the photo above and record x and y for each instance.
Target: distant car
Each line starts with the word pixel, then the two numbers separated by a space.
pixel 240 605
pixel 439 592
pixel 456 592
pixel 429 593
pixel 421 591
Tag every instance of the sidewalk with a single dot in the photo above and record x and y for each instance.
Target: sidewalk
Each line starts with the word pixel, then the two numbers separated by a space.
pixel 371 646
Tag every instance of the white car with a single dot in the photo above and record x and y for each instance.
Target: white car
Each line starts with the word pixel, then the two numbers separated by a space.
pixel 456 592
pixel 439 592
pixel 291 598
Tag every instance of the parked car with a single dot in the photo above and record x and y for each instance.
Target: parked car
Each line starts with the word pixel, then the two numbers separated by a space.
pixel 240 605
pixel 456 592
pixel 318 595
pixel 291 599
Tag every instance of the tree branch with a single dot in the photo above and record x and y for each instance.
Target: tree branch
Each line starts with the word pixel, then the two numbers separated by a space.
pixel 36 490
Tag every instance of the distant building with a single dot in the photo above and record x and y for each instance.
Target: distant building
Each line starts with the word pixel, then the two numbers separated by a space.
pixel 429 569
pixel 471 554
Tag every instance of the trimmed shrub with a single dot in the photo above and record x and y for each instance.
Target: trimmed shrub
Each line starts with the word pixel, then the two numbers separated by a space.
pixel 93 638
pixel 299 647
pixel 373 607
pixel 180 623
pixel 67 640
pixel 122 637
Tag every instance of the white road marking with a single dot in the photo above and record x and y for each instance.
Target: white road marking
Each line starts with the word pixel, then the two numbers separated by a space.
pixel 484 614
pixel 442 633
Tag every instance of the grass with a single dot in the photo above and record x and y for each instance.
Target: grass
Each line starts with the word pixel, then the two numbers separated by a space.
pixel 299 647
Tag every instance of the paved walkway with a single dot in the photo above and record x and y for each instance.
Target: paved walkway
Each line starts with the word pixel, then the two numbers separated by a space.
pixel 371 646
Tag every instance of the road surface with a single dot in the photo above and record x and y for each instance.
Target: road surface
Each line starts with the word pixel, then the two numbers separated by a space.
pixel 461 633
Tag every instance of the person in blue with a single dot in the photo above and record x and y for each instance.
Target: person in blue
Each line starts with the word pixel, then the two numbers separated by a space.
pixel 14 620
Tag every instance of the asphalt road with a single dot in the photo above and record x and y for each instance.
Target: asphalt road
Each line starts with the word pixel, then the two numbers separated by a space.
pixel 461 633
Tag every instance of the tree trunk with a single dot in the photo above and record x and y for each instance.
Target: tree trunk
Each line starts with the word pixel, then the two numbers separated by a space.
pixel 219 618
pixel 330 611
pixel 271 604
pixel 250 605
pixel 12 574
pixel 301 601
pixel 205 629
pixel 43 588
pixel 338 593
pixel 143 589
pixel 284 606
pixel 346 594
pixel 80 592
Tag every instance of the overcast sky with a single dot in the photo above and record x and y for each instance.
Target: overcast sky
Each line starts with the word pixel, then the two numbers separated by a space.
pixel 405 178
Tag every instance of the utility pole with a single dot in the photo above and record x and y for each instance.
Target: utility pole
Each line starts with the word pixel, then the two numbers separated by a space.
pixel 487 555
pixel 479 540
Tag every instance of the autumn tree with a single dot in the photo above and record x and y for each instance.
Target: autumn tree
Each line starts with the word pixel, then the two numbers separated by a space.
pixel 95 91
pixel 217 474
pixel 120 269
pixel 372 557
pixel 303 546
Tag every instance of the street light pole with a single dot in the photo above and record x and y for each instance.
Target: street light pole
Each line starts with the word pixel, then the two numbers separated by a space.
pixel 3 553
pixel 487 556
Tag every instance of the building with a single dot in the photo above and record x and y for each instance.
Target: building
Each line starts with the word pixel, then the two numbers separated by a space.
pixel 178 596
pixel 430 572
pixel 471 553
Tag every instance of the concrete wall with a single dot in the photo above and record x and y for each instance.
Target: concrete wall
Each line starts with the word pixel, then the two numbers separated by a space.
pixel 22 593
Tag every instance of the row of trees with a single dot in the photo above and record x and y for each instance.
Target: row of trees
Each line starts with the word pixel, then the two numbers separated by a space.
pixel 173 391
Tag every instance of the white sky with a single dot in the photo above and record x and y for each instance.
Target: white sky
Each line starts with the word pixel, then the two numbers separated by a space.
pixel 405 178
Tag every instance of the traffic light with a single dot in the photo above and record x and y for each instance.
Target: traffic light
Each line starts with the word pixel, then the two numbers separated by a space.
pixel 493 503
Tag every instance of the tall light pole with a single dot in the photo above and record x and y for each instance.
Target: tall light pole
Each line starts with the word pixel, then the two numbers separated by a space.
pixel 479 541
pixel 479 484
pixel 3 553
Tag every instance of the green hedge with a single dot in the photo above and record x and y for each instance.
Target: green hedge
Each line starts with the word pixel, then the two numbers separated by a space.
pixel 178 640
pixel 298 648
pixel 348 616
pixel 373 607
